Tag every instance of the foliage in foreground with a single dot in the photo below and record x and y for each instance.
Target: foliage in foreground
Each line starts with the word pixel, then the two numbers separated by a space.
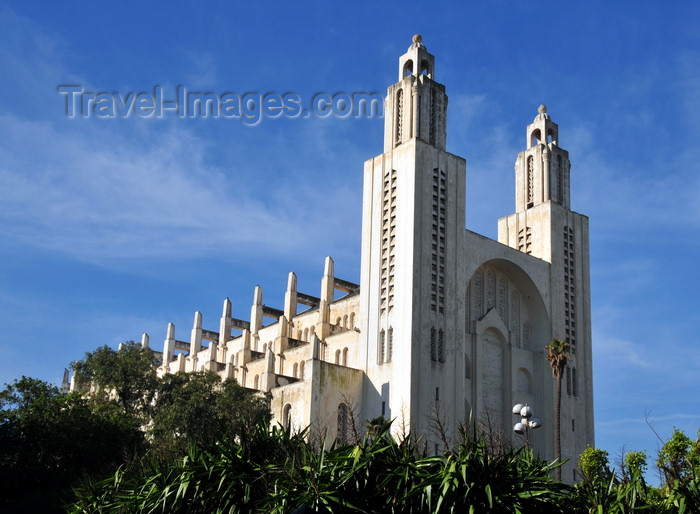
pixel 605 491
pixel 277 472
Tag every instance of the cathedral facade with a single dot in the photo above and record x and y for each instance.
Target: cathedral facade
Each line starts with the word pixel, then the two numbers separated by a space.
pixel 445 322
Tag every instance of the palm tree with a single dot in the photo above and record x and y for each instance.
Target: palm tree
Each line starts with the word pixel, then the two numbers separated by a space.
pixel 557 356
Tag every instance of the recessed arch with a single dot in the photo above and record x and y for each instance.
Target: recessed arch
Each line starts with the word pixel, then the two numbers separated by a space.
pixel 287 417
pixel 425 69
pixel 533 315
pixel 523 381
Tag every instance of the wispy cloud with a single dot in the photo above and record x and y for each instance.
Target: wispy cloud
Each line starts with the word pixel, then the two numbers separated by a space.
pixel 621 352
pixel 98 195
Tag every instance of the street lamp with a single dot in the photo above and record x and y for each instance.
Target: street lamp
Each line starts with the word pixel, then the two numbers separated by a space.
pixel 527 421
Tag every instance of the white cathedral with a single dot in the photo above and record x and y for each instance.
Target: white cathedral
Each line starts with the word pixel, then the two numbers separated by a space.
pixel 443 320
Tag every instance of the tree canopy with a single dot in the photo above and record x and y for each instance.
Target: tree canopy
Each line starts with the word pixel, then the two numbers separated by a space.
pixel 49 440
pixel 127 375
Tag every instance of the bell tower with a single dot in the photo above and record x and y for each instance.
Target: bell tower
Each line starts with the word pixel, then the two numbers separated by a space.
pixel 545 227
pixel 413 226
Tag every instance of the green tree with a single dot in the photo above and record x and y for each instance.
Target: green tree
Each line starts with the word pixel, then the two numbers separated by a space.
pixel 679 457
pixel 199 408
pixel 49 440
pixel 128 375
pixel 635 463
pixel 594 465
pixel 557 357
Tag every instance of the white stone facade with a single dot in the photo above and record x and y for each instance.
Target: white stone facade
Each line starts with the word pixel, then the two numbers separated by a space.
pixel 442 317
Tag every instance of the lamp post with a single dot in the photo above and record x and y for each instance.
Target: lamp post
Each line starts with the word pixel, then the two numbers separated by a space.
pixel 526 423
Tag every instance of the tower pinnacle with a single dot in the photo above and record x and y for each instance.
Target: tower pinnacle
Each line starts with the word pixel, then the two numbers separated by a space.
pixel 416 105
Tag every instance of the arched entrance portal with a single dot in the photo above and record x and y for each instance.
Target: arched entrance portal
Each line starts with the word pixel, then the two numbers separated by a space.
pixel 507 327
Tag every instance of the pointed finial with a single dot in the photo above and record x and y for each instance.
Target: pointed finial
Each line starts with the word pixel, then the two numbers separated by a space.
pixel 292 281
pixel 542 109
pixel 226 311
pixel 257 296
pixel 328 268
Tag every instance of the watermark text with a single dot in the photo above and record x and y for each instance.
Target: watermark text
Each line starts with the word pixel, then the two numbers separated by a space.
pixel 250 108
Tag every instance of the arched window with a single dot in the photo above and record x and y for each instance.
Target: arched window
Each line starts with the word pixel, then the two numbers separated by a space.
pixel 306 334
pixel 301 370
pixel 337 356
pixel 345 356
pixel 352 320
pixel 256 383
pixel 265 348
pixel 345 321
pixel 408 68
pixel 382 347
pixel 399 116
pixel 287 417
pixel 390 344
pixel 338 321
pixel 295 370
pixel 530 181
pixel 343 422
pixel 535 137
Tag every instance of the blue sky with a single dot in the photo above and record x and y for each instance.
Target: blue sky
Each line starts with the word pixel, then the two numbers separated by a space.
pixel 114 227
